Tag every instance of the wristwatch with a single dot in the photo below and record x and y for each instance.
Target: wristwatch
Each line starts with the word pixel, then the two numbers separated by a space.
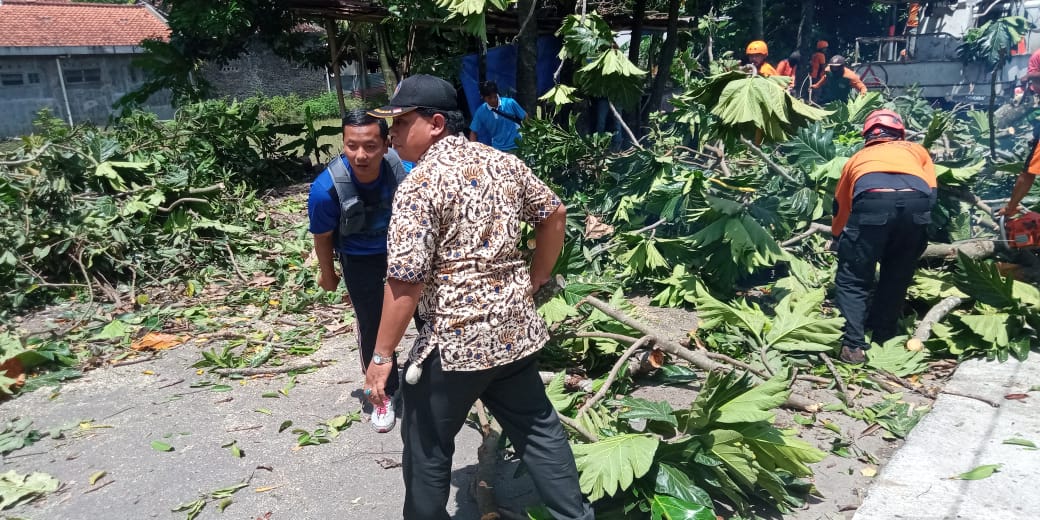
pixel 380 360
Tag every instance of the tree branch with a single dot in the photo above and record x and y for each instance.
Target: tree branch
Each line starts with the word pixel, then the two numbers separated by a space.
pixel 813 229
pixel 624 126
pixel 612 376
pixel 933 316
pixel 698 359
pixel 27 160
pixel 247 371
pixel 772 165
pixel 975 248
pixel 180 201
pixel 487 455
pixel 572 424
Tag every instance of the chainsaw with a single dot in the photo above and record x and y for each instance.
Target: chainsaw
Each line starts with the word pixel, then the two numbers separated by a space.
pixel 1021 232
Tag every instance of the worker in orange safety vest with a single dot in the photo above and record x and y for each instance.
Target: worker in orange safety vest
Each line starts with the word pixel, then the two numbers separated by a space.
pixel 757 51
pixel 789 67
pixel 1027 177
pixel 837 83
pixel 882 208
pixel 818 62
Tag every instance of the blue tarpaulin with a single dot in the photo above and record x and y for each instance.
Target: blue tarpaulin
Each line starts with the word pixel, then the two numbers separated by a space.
pixel 501 68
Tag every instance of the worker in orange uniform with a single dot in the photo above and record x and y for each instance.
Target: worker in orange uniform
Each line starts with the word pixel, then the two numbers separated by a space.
pixel 882 209
pixel 757 51
pixel 1027 177
pixel 837 83
pixel 913 17
pixel 818 62
pixel 789 67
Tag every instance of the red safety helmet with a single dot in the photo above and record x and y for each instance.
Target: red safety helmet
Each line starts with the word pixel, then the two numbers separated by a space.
pixel 880 120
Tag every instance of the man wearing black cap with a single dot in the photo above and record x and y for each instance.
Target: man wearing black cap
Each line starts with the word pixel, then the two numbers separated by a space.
pixel 452 251
pixel 837 83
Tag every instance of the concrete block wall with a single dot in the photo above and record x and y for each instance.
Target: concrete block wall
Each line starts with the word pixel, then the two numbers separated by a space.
pixel 93 83
pixel 261 71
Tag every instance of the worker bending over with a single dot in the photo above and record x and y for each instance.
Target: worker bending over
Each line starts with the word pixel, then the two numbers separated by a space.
pixel 883 206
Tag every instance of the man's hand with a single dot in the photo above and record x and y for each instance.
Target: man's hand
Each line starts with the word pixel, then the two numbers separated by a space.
pixel 328 280
pixel 1008 211
pixel 375 382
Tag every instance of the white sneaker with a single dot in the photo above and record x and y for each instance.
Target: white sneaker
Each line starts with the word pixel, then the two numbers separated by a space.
pixel 383 418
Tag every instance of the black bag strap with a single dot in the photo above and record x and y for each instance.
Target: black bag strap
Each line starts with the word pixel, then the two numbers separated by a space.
pixel 510 117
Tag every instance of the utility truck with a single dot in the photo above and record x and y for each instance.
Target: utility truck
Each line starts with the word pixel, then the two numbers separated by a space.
pixel 925 56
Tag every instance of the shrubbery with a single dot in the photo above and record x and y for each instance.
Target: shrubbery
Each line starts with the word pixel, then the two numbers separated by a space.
pixel 139 200
pixel 293 108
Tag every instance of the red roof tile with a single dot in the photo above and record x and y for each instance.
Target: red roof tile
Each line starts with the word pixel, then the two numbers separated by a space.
pixel 51 23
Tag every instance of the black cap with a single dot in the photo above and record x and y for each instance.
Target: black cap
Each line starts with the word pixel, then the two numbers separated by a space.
pixel 419 91
pixel 837 60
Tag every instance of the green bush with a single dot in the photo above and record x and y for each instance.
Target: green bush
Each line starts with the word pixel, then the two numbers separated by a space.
pixel 279 110
pixel 139 200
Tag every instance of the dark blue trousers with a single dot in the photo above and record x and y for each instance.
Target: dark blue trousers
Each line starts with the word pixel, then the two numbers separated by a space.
pixel 435 409
pixel 365 276
pixel 886 228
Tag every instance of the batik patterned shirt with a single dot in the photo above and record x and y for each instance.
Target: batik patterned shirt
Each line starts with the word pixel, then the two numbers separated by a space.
pixel 455 228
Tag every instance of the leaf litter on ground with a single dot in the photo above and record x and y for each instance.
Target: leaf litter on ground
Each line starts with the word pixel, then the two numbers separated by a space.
pixel 979 473
pixel 17 489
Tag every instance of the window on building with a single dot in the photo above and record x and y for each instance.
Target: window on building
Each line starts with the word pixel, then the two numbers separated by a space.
pixel 34 77
pixel 10 80
pixel 82 75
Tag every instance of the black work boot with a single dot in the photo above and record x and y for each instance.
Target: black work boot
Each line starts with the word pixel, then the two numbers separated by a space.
pixel 852 355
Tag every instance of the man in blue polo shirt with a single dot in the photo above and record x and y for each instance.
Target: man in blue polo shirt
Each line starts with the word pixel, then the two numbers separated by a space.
pixel 359 240
pixel 497 121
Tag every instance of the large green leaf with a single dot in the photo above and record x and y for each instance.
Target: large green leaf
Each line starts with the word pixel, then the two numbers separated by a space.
pixel 812 145
pixel 674 482
pixel 758 403
pixel 17 489
pixel 612 464
pixel 983 282
pixel 664 507
pixel 893 357
pixel 746 105
pixel 561 399
pixel 775 450
pixel 798 325
pixel 993 41
pixel 636 408
pixel 713 313
pixel 737 457
pixel 993 328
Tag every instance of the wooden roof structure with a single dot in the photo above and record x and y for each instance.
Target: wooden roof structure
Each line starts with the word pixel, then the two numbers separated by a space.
pixel 497 22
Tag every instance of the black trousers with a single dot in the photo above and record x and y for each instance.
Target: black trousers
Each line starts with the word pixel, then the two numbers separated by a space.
pixel 365 276
pixel 886 228
pixel 435 409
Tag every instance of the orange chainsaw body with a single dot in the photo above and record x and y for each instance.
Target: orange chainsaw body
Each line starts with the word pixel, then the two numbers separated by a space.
pixel 1023 232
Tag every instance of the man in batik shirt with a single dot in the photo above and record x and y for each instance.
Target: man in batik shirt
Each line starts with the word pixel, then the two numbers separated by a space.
pixel 452 250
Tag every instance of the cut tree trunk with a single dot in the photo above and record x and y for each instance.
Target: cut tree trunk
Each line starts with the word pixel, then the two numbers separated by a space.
pixel 978 248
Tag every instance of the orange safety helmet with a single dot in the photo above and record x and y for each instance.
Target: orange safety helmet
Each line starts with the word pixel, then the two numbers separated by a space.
pixel 757 47
pixel 879 120
pixel 822 44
